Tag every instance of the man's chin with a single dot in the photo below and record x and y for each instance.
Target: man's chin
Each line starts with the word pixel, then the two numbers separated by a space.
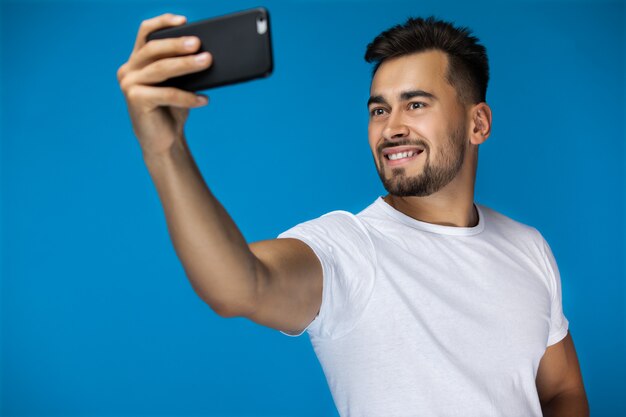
pixel 409 193
pixel 398 184
pixel 411 187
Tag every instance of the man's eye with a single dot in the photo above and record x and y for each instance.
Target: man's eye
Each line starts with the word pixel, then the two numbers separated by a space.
pixel 377 111
pixel 417 105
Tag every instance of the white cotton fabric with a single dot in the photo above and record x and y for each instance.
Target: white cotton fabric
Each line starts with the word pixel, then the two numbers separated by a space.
pixel 419 319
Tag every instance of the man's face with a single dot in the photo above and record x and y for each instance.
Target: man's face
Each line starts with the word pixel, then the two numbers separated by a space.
pixel 417 126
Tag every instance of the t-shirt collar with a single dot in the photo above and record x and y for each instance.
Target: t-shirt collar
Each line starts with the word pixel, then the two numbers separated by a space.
pixel 431 227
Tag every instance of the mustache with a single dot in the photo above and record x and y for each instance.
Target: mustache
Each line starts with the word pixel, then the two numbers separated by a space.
pixel 403 142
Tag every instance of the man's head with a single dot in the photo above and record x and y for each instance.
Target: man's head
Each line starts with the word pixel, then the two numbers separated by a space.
pixel 427 97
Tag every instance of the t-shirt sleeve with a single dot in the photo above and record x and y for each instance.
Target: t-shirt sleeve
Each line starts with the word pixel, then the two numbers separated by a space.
pixel 558 322
pixel 345 250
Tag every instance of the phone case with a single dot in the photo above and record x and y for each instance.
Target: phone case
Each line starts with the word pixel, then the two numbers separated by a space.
pixel 239 43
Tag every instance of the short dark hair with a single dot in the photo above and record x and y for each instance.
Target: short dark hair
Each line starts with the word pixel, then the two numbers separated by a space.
pixel 468 66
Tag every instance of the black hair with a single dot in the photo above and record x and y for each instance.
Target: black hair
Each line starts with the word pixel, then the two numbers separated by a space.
pixel 468 66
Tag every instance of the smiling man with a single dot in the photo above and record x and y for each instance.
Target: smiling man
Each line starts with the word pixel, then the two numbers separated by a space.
pixel 423 303
pixel 404 109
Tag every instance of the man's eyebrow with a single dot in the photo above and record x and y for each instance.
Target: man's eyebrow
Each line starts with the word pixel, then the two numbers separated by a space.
pixel 404 96
pixel 377 100
pixel 407 95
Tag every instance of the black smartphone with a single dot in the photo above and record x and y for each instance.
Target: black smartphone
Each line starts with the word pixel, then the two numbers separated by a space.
pixel 240 44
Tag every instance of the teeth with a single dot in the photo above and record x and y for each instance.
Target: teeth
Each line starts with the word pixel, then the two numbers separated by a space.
pixel 400 155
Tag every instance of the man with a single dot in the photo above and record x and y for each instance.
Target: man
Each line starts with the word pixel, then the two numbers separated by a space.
pixel 424 303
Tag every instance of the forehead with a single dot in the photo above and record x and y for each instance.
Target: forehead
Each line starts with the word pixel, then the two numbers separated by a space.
pixel 423 70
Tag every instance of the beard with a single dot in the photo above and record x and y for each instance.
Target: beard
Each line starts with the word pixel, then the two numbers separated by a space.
pixel 434 176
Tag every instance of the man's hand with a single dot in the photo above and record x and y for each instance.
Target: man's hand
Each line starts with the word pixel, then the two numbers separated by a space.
pixel 276 282
pixel 158 114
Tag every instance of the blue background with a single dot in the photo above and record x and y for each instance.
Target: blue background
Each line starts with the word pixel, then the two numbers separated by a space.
pixel 97 315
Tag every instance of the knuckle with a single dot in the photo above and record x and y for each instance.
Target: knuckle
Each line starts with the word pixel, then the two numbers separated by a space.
pixel 126 85
pixel 147 25
pixel 164 19
pixel 121 72
pixel 193 102
pixel 190 100
pixel 158 45
pixel 158 66
pixel 133 93
pixel 155 21
pixel 148 47
pixel 170 95
pixel 191 61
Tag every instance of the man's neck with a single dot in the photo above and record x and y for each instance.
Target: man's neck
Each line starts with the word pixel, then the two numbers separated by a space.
pixel 457 212
pixel 452 205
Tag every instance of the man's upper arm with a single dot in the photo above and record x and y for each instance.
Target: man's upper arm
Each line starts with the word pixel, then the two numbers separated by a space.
pixel 289 285
pixel 559 371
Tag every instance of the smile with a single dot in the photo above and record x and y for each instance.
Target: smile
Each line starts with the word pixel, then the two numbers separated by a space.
pixel 400 155
pixel 393 157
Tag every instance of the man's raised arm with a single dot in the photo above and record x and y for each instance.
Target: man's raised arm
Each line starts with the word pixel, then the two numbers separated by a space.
pixel 277 283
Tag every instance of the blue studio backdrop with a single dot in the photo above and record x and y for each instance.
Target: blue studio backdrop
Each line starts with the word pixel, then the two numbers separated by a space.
pixel 97 317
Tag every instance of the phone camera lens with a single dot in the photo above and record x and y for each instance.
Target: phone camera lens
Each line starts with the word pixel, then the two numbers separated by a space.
pixel 261 25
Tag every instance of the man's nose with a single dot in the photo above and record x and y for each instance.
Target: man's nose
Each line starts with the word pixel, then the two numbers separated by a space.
pixel 395 128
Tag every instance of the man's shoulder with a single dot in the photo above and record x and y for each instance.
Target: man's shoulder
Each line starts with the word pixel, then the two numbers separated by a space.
pixel 505 224
pixel 335 223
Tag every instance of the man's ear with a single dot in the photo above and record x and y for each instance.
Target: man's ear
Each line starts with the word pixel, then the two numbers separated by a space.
pixel 480 115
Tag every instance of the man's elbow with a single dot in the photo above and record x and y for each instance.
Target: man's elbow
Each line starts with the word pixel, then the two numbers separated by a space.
pixel 233 306
pixel 228 308
pixel 227 311
pixel 570 403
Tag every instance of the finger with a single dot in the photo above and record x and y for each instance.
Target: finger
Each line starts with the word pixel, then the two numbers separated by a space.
pixel 162 48
pixel 121 72
pixel 159 22
pixel 150 97
pixel 166 68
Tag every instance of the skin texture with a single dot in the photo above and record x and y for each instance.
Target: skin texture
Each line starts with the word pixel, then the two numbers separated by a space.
pixel 278 283
pixel 450 131
pixel 439 165
pixel 560 382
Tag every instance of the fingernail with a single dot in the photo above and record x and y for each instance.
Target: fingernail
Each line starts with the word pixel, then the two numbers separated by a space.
pixel 190 43
pixel 201 100
pixel 203 57
pixel 178 19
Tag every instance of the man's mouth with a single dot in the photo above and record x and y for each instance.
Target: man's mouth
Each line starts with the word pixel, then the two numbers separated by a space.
pixel 401 154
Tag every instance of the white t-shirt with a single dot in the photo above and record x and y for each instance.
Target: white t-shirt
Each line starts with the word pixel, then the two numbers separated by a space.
pixel 419 319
